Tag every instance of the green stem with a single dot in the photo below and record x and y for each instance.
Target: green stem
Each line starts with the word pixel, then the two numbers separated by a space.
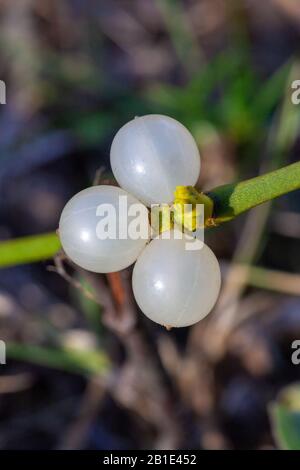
pixel 231 200
pixel 220 205
pixel 28 249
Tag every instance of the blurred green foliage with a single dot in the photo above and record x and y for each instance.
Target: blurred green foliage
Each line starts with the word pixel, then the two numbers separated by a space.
pixel 285 416
pixel 228 93
pixel 71 360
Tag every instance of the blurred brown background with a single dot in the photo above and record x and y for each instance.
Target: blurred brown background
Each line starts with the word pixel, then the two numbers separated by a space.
pixel 85 369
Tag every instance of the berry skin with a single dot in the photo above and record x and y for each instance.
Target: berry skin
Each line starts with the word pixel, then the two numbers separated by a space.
pixel 79 231
pixel 173 286
pixel 153 154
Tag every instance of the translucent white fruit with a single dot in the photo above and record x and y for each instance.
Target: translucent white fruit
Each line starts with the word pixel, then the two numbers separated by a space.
pixel 174 286
pixel 90 225
pixel 153 154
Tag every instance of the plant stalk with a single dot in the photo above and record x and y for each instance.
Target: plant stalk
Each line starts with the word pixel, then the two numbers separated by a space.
pixel 231 200
pixel 220 205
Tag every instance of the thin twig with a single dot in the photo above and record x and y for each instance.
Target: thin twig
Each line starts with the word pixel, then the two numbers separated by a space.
pixel 59 268
pixel 98 176
pixel 137 385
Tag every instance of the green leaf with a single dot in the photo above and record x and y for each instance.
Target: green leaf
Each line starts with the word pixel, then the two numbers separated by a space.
pixel 71 360
pixel 270 93
pixel 231 200
pixel 28 249
pixel 285 418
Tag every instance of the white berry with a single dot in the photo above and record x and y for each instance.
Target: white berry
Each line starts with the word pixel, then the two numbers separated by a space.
pixel 79 230
pixel 153 154
pixel 173 286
